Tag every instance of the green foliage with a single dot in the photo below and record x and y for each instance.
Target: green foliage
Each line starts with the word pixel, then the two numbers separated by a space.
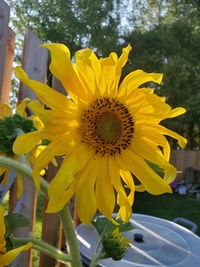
pixel 10 128
pixel 172 47
pixel 75 23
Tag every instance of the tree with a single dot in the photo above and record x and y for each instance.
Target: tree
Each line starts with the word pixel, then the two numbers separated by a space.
pixel 172 47
pixel 75 23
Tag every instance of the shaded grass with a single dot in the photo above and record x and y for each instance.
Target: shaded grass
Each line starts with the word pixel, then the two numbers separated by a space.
pixel 168 206
pixel 38 226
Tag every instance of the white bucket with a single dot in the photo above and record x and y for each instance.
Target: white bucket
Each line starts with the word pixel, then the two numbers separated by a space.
pixel 165 244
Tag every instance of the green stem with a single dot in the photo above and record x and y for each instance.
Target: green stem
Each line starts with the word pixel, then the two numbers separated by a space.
pixel 44 248
pixel 96 258
pixel 70 234
pixel 23 169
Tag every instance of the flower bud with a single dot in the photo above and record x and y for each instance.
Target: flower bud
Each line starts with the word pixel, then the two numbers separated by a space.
pixel 115 245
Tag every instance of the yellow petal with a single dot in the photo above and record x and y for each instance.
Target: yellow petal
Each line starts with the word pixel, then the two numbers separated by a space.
pixel 89 69
pixel 36 152
pixel 26 142
pixel 50 119
pixel 45 93
pixel 65 176
pixel 55 206
pixel 36 122
pixel 123 59
pixel 175 112
pixel 9 256
pixel 161 114
pixel 5 111
pixel 142 149
pixel 108 75
pixel 128 179
pixel 19 185
pixel 85 195
pixel 62 68
pixel 156 102
pixel 157 139
pixel 43 114
pixel 181 140
pixel 122 200
pixel 136 79
pixel 140 188
pixel 2 226
pixel 153 183
pixel 57 147
pixel 105 195
pixel 21 108
pixel 129 182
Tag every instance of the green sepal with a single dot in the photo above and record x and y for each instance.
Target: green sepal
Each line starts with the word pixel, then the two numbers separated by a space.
pixel 104 225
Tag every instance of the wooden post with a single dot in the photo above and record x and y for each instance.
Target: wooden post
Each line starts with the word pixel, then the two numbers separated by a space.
pixel 34 62
pixel 6 86
pixel 35 65
pixel 50 225
pixel 4 19
pixel 50 222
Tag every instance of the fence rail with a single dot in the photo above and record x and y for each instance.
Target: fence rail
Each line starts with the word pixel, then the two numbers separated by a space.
pixel 183 159
pixel 34 61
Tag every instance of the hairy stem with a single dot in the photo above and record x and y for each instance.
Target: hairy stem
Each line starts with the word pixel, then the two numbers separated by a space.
pixel 44 248
pixel 70 234
pixel 24 170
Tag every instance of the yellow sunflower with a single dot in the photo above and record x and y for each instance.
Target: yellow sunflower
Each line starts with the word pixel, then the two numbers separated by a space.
pixel 6 257
pixel 10 126
pixel 107 132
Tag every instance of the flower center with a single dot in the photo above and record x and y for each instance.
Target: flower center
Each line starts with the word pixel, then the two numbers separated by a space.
pixel 107 126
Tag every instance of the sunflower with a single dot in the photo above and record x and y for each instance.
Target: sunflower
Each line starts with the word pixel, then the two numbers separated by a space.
pixel 6 257
pixel 12 125
pixel 106 131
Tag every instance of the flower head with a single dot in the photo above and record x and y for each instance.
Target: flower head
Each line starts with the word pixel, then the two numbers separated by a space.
pixel 11 125
pixel 106 131
pixel 115 245
pixel 6 257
